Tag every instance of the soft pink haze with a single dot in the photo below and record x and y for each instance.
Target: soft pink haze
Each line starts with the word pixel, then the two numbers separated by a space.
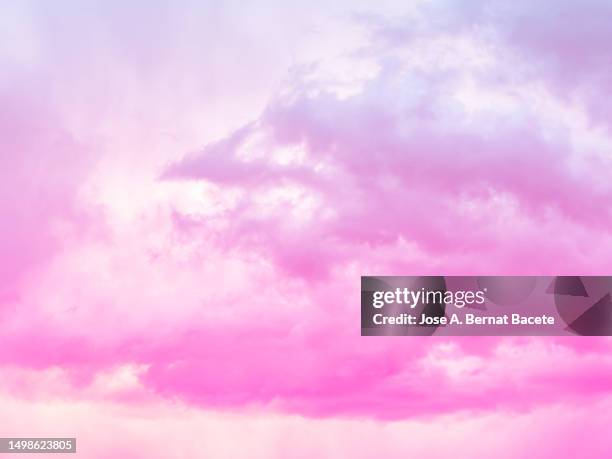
pixel 190 191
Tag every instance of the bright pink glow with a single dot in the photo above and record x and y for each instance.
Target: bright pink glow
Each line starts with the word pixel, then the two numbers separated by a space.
pixel 190 194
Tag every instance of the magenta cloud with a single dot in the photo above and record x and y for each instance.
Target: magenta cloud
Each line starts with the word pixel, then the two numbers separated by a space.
pixel 190 195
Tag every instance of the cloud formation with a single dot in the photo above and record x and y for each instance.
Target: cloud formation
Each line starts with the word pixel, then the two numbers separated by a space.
pixel 425 137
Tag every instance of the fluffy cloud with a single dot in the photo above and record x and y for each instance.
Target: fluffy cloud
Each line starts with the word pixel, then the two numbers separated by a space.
pixel 425 138
pixel 454 134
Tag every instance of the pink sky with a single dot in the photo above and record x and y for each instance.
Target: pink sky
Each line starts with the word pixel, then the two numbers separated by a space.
pixel 190 192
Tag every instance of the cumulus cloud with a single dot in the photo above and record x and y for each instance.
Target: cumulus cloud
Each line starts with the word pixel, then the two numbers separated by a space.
pixel 427 137
pixel 455 135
